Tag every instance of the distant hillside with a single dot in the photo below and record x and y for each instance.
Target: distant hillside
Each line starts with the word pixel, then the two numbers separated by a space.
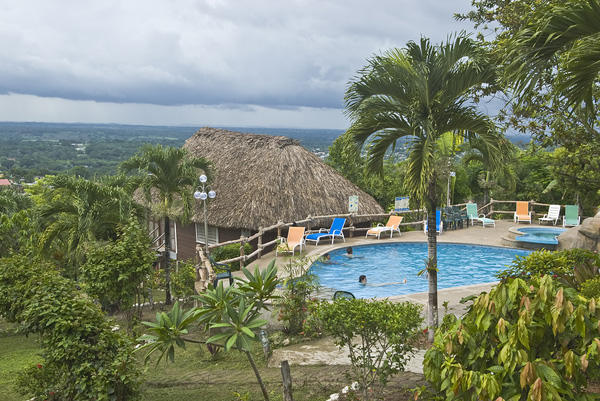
pixel 28 150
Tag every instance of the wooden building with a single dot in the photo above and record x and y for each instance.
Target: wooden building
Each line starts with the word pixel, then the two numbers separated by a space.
pixel 260 180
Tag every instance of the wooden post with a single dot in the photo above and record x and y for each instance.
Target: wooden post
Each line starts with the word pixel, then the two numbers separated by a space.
pixel 260 234
pixel 242 243
pixel 287 381
pixel 491 209
pixel 351 223
pixel 309 224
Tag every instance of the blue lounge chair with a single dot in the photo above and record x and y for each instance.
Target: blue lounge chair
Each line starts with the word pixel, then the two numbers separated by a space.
pixel 571 217
pixel 474 217
pixel 439 224
pixel 334 231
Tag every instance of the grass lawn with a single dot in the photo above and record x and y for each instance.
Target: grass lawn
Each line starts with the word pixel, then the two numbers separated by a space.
pixel 17 353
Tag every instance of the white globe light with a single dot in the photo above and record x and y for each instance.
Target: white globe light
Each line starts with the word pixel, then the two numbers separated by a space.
pixel 197 194
pixel 212 194
pixel 203 195
pixel 203 178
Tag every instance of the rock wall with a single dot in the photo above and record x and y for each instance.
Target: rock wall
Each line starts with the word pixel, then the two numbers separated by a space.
pixel 584 236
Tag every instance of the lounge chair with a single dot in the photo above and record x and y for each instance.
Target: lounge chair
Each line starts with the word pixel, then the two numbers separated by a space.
pixel 393 224
pixel 480 218
pixel 552 215
pixel 571 217
pixel 343 294
pixel 334 231
pixel 225 272
pixel 439 224
pixel 522 213
pixel 295 239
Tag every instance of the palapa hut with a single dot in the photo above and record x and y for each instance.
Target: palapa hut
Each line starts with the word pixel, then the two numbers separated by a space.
pixel 263 179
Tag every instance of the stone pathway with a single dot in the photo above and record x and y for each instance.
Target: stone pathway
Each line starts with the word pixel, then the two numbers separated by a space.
pixel 324 352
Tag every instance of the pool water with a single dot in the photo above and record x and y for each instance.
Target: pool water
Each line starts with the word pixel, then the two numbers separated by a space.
pixel 390 263
pixel 540 235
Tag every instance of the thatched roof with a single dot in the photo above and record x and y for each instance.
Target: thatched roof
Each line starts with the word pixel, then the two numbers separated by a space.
pixel 263 179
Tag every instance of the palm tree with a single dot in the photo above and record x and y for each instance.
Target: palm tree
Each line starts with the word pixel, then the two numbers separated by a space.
pixel 76 212
pixel 169 175
pixel 477 151
pixel 419 93
pixel 571 33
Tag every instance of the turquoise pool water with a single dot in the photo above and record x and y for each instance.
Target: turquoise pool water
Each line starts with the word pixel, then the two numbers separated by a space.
pixel 458 265
pixel 540 235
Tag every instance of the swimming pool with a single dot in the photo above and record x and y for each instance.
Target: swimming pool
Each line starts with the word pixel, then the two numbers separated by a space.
pixel 458 265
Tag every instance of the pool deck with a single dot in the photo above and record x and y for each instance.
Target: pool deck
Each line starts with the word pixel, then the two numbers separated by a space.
pixel 475 235
pixel 325 352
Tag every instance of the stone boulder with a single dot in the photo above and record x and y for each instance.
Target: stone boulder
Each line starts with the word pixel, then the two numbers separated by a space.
pixel 585 236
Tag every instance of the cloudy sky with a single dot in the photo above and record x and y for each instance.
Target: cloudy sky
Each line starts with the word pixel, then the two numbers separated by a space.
pixel 270 63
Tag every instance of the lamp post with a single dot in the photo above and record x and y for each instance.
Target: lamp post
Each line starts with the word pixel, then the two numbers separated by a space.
pixel 203 196
pixel 452 174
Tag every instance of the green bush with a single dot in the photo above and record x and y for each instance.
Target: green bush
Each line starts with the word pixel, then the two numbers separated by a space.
pixel 183 279
pixel 591 288
pixel 114 271
pixel 230 251
pixel 377 333
pixel 83 357
pixel 572 265
pixel 535 339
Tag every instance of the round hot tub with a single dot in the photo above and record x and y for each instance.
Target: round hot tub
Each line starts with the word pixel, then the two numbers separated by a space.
pixel 537 237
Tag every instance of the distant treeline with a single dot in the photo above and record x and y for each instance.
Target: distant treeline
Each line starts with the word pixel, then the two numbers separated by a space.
pixel 29 150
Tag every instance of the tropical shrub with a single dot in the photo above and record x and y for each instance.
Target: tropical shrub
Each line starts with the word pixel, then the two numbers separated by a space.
pixel 183 280
pixel 230 251
pixel 235 311
pixel 377 333
pixel 298 287
pixel 574 266
pixel 591 288
pixel 535 339
pixel 83 357
pixel 114 271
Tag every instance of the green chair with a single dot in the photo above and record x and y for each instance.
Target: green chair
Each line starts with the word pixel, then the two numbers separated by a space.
pixel 343 294
pixel 479 218
pixel 571 217
pixel 461 215
pixel 222 270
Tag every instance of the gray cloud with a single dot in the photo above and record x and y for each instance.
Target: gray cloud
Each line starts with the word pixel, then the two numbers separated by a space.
pixel 169 53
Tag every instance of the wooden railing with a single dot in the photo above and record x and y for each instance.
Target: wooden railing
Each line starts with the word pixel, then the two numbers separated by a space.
pixel 309 222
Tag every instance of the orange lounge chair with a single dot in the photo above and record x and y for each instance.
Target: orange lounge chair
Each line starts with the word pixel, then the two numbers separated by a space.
pixel 393 224
pixel 295 239
pixel 522 213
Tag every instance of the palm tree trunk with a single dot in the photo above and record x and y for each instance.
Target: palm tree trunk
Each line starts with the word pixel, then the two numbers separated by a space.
pixel 167 261
pixel 432 305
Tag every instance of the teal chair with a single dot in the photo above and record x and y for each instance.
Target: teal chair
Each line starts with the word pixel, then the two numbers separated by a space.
pixel 479 218
pixel 343 294
pixel 223 272
pixel 571 217
pixel 335 231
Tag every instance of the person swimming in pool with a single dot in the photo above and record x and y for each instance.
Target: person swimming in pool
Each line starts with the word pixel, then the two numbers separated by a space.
pixel 326 258
pixel 363 280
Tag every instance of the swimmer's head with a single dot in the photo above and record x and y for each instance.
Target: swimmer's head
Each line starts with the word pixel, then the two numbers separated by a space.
pixel 349 250
pixel 362 279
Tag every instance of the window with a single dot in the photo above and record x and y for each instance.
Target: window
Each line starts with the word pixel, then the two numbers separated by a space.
pixel 213 234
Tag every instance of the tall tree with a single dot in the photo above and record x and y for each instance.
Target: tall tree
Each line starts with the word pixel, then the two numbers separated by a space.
pixel 477 151
pixel 169 175
pixel 421 92
pixel 565 37
pixel 75 212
